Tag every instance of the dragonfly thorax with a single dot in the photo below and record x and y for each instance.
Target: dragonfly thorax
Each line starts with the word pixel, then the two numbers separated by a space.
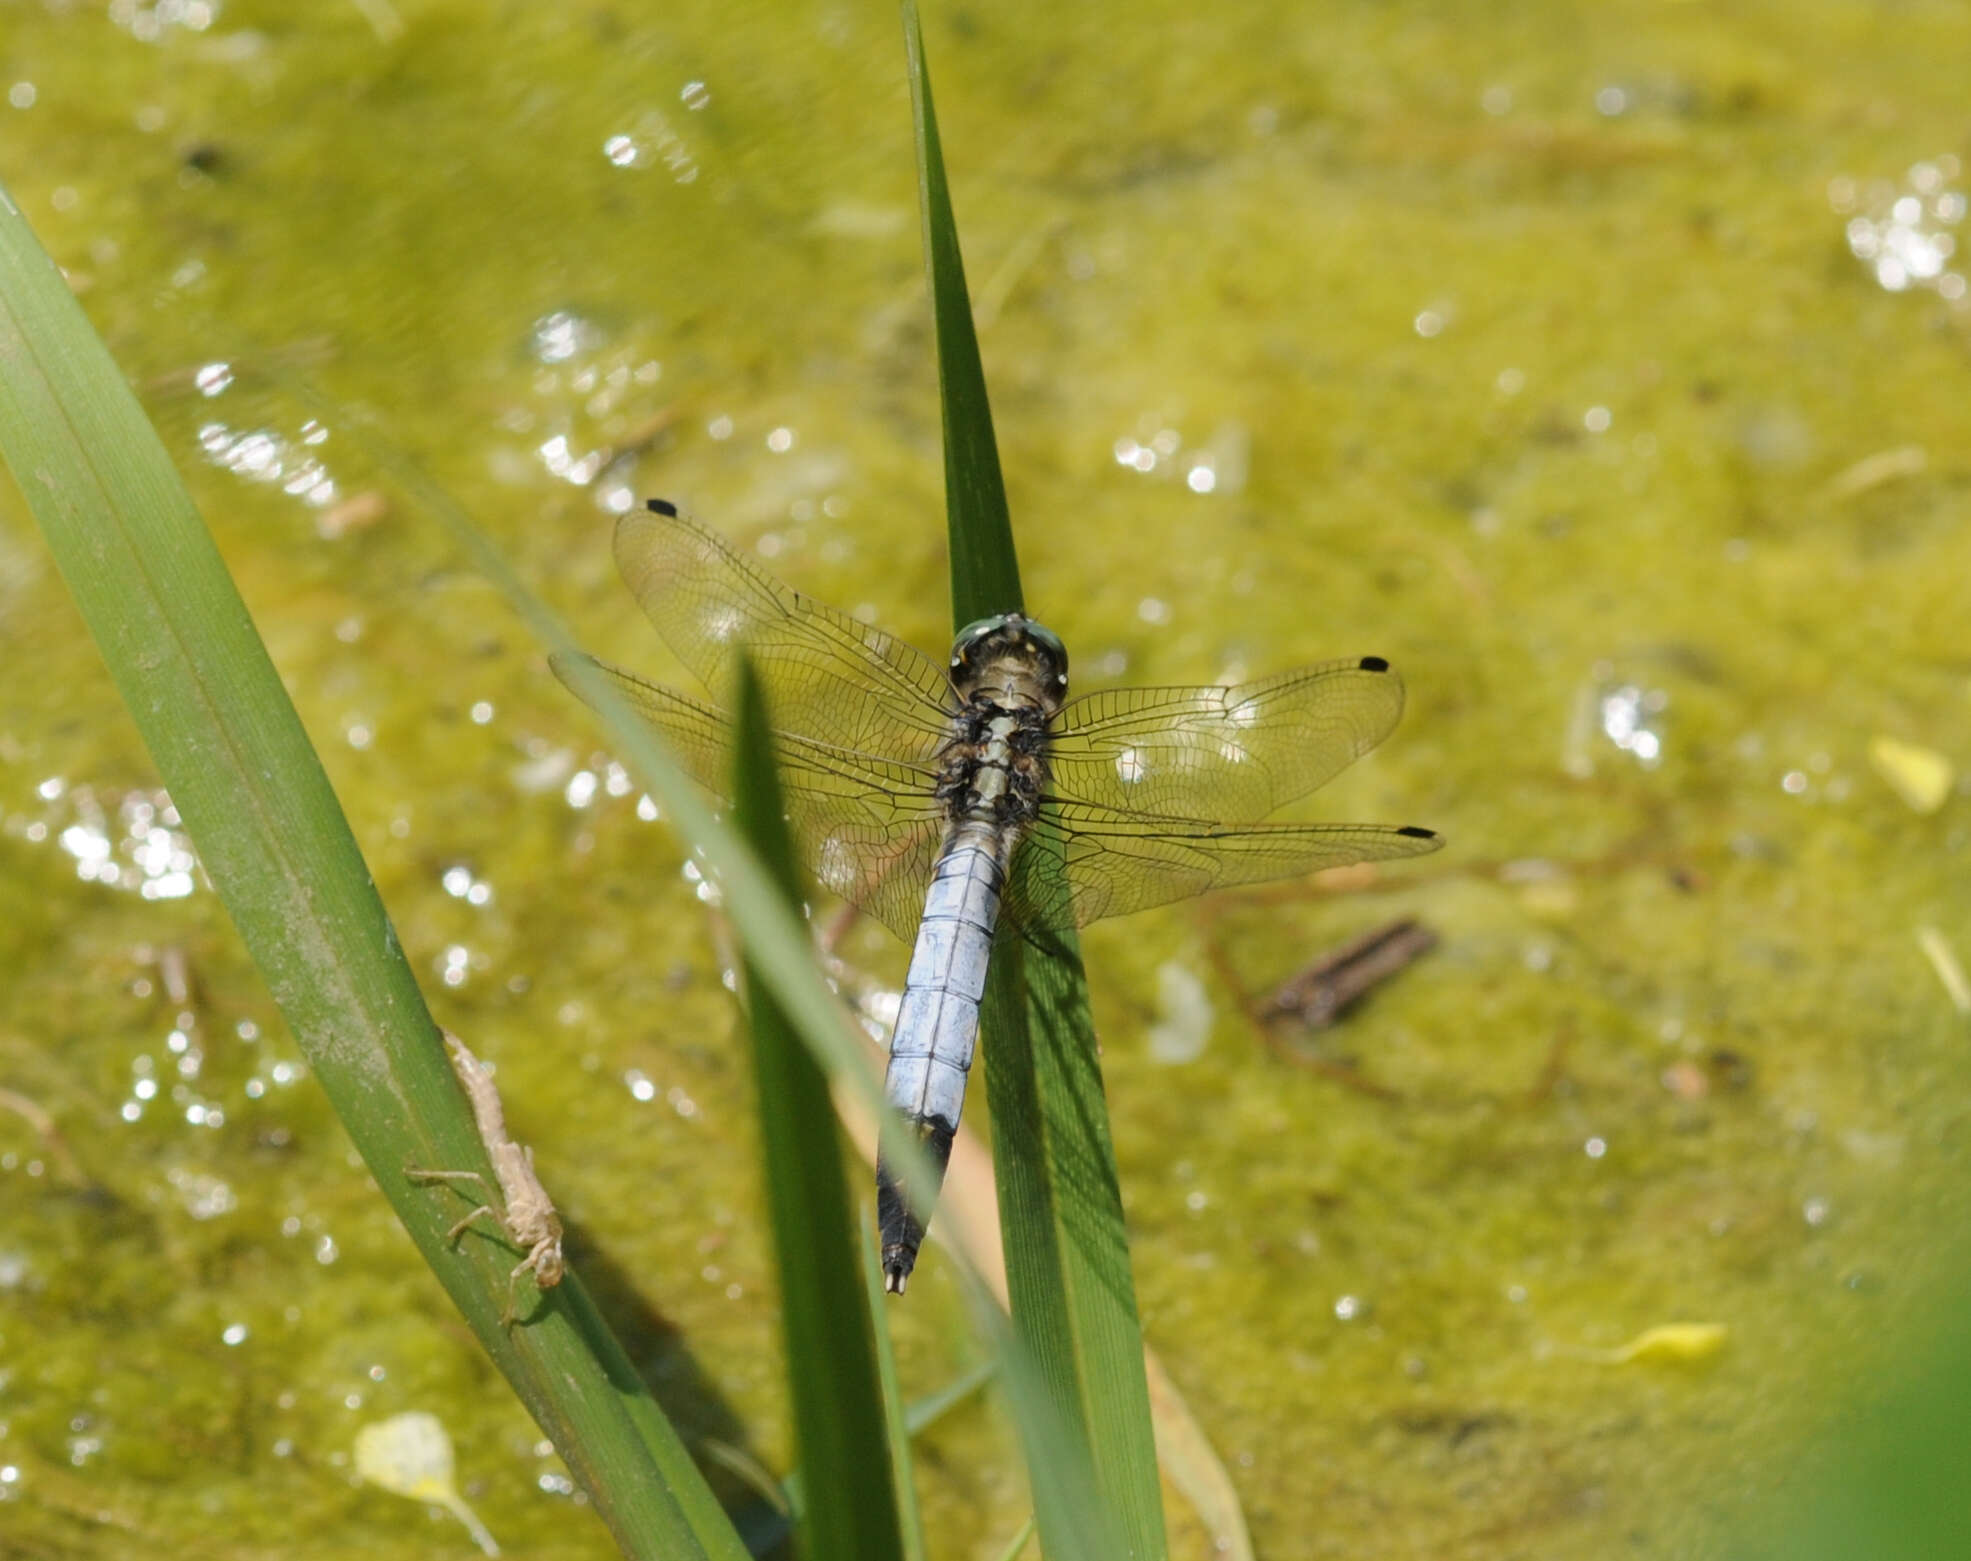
pixel 1010 661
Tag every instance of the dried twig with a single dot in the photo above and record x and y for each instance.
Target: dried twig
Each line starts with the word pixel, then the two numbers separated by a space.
pixel 1318 995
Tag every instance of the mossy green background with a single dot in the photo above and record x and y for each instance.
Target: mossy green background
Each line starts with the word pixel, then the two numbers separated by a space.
pixel 1237 225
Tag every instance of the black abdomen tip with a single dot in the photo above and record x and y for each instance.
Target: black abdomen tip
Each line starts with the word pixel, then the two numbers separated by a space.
pixel 662 507
pixel 1367 663
pixel 1417 832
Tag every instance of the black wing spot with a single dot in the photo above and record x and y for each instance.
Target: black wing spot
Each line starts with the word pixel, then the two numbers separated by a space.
pixel 1417 832
pixel 1368 663
pixel 662 507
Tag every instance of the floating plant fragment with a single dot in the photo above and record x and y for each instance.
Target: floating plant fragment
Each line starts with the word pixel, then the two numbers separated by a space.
pixel 1680 1342
pixel 1943 959
pixel 1922 777
pixel 411 1455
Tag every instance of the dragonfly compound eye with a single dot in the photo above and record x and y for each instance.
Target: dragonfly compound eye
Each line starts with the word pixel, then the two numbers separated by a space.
pixel 1050 651
pixel 974 636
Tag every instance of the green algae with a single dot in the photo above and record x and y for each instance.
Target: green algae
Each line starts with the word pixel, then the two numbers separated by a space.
pixel 1229 226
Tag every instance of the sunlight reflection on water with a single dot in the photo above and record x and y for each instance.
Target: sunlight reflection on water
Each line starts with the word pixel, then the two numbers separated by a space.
pixel 1904 233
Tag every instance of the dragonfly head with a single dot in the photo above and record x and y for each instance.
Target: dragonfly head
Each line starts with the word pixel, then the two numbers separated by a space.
pixel 1010 655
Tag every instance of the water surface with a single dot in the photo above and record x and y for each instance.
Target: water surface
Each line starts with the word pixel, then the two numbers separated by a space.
pixel 1604 368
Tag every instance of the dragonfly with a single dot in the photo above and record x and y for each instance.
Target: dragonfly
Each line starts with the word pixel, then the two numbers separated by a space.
pixel 911 784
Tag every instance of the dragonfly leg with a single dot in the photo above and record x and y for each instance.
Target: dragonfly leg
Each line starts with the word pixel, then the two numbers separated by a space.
pixel 419 1175
pixel 457 1230
pixel 512 1312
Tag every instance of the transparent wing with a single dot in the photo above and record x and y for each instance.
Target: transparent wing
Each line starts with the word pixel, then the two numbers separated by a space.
pixel 827 676
pixel 1222 753
pixel 1094 862
pixel 869 828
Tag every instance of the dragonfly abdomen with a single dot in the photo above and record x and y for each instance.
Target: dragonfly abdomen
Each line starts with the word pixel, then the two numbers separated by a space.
pixel 937 1027
pixel 938 1022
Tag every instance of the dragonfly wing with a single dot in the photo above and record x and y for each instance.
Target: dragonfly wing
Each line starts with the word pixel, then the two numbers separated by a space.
pixel 827 676
pixel 1232 753
pixel 868 827
pixel 1097 862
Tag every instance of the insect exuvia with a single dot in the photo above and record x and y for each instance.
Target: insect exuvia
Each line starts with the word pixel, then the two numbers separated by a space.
pixel 914 787
pixel 528 1216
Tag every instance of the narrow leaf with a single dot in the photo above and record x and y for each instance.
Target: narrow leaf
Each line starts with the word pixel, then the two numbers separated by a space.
pixel 776 938
pixel 849 1512
pixel 1889 1478
pixel 251 791
pixel 985 574
pixel 1067 1250
pixel 1019 1541
pixel 898 1423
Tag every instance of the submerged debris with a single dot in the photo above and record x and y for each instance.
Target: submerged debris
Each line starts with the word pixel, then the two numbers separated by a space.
pixel 1872 471
pixel 1318 995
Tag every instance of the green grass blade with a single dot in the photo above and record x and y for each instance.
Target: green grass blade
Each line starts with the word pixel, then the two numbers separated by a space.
pixel 775 938
pixel 773 933
pixel 1067 1251
pixel 1018 1541
pixel 1076 1521
pixel 250 789
pixel 779 952
pixel 897 1422
pixel 1889 1479
pixel 933 1407
pixel 985 573
pixel 849 1512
